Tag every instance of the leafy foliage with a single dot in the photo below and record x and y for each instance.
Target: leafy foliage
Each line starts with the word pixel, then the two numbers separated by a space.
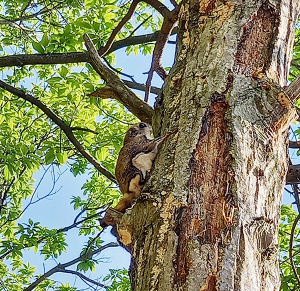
pixel 33 143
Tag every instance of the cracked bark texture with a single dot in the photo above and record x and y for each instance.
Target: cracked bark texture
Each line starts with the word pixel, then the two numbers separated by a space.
pixel 208 218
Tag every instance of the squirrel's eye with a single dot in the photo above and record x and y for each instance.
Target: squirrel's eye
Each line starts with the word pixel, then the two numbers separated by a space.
pixel 142 125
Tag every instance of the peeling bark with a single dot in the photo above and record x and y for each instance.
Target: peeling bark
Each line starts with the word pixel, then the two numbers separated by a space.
pixel 208 219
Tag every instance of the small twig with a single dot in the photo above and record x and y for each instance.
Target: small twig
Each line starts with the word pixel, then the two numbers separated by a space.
pixel 117 119
pixel 160 7
pixel 143 22
pixel 128 15
pixel 83 278
pixel 83 129
pixel 117 71
pixel 287 259
pixel 291 249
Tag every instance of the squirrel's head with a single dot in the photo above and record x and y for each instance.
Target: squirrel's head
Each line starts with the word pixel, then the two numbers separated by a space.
pixel 138 129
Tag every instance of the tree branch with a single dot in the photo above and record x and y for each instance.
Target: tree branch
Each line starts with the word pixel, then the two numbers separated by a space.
pixel 128 15
pixel 294 144
pixel 141 87
pixel 61 267
pixel 64 127
pixel 73 57
pixel 160 7
pixel 83 129
pixel 291 249
pixel 163 37
pixel 296 195
pixel 122 93
pixel 293 175
pixel 83 278
pixel 293 90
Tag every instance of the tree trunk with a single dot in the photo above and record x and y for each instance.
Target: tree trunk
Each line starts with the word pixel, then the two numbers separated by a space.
pixel 208 219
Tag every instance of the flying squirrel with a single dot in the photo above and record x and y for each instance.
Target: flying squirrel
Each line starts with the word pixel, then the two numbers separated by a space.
pixel 135 161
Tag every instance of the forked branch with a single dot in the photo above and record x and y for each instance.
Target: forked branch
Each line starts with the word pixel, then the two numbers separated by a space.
pixel 160 7
pixel 114 33
pixel 62 267
pixel 121 92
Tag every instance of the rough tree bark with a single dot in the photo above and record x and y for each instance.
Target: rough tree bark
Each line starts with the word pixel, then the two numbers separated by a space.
pixel 208 219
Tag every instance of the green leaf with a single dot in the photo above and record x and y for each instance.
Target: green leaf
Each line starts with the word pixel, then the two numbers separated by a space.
pixel 23 149
pixel 62 157
pixel 49 157
pixel 38 47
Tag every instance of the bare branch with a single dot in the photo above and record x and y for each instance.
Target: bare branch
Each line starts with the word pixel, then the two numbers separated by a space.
pixel 122 93
pixel 61 267
pixel 141 87
pixel 83 278
pixel 163 37
pixel 73 57
pixel 291 249
pixel 60 230
pixel 160 7
pixel 64 127
pixel 294 144
pixel 83 129
pixel 293 90
pixel 140 25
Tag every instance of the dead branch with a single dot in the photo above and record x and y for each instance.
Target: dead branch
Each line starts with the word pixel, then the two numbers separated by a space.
pixel 73 57
pixel 122 93
pixel 291 249
pixel 163 37
pixel 64 127
pixel 62 267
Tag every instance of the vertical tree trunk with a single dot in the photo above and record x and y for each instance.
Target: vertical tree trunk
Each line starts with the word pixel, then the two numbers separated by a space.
pixel 208 219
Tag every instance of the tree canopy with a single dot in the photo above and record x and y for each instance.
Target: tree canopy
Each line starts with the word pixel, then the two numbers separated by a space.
pixel 53 115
